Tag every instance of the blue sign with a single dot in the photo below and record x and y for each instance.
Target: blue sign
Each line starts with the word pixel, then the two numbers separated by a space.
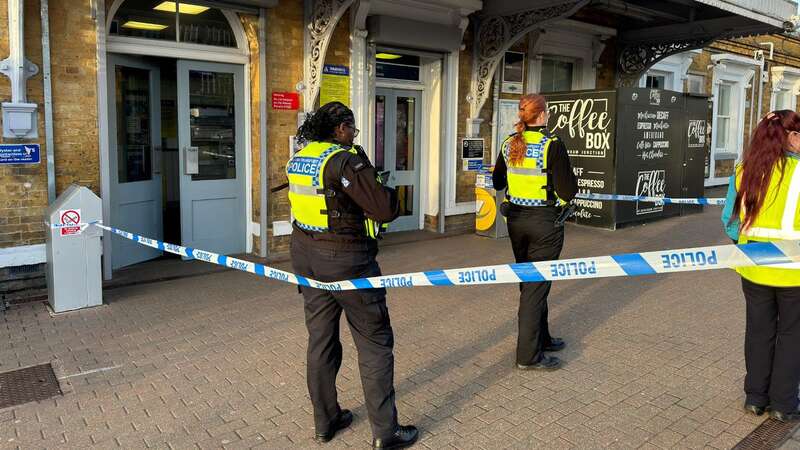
pixel 332 69
pixel 474 164
pixel 19 154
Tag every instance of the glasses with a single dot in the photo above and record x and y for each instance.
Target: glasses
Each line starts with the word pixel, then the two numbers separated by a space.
pixel 355 130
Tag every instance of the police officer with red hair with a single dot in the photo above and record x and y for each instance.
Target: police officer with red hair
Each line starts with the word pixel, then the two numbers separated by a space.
pixel 535 166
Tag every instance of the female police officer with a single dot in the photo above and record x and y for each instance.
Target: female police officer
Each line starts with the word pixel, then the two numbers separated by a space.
pixel 764 202
pixel 535 166
pixel 336 199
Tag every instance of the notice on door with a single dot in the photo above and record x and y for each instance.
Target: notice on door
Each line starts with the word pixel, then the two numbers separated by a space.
pixel 70 217
pixel 335 85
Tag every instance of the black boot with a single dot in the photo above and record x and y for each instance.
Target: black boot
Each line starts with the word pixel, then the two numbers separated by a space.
pixel 342 421
pixel 403 437
pixel 785 416
pixel 546 363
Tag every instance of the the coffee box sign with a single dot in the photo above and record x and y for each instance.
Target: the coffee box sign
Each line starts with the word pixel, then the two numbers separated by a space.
pixel 585 122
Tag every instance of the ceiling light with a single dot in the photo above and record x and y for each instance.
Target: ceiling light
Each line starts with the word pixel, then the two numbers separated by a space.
pixel 387 56
pixel 143 25
pixel 184 8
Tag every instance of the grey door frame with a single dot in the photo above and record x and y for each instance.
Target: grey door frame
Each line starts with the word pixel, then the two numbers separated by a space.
pixel 213 187
pixel 412 222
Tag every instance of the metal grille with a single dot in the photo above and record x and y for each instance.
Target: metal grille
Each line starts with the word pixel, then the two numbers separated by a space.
pixel 19 270
pixel 769 435
pixel 28 385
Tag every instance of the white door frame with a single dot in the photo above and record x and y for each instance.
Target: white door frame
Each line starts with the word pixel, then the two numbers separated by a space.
pixel 153 47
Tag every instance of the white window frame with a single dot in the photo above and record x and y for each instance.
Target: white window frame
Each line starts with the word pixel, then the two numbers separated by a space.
pixel 567 40
pixel 674 68
pixel 784 79
pixel 738 71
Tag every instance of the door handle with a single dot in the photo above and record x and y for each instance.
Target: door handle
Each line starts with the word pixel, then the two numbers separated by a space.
pixel 191 164
pixel 157 160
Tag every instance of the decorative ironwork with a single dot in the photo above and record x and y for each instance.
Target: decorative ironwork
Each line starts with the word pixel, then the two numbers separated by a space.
pixel 637 57
pixel 634 60
pixel 496 34
pixel 325 15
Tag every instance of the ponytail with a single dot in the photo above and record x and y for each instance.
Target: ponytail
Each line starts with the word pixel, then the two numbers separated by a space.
pixel 530 106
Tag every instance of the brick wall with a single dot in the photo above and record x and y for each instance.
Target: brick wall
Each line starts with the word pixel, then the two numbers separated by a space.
pixel 74 116
pixel 284 71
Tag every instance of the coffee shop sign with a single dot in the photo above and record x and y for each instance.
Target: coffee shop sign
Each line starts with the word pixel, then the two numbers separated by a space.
pixel 587 119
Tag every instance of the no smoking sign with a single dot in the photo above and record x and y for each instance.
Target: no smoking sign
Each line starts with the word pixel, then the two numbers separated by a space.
pixel 70 217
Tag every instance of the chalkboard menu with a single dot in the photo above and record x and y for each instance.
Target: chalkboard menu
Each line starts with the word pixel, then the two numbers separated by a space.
pixel 586 123
pixel 650 150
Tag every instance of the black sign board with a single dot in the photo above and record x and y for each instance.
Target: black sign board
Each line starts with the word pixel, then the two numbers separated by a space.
pixel 650 138
pixel 472 148
pixel 586 123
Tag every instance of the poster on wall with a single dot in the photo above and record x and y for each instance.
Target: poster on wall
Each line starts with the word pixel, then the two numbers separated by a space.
pixel 472 153
pixel 586 123
pixel 513 72
pixel 506 119
pixel 335 86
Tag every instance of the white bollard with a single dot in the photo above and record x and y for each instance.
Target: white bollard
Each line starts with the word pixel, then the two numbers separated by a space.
pixel 73 250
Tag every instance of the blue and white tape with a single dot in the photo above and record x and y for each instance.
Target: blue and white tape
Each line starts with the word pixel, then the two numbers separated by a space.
pixel 660 200
pixel 780 253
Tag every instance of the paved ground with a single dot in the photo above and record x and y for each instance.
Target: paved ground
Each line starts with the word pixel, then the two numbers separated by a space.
pixel 218 360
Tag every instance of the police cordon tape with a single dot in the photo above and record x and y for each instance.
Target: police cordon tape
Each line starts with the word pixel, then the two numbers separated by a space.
pixel 622 265
pixel 664 200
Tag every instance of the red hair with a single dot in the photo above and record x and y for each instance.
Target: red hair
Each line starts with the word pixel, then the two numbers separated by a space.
pixel 530 106
pixel 764 152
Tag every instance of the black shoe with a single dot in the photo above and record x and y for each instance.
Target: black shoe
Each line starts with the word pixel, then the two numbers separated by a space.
pixel 546 363
pixel 342 421
pixel 755 410
pixel 403 437
pixel 555 345
pixel 785 416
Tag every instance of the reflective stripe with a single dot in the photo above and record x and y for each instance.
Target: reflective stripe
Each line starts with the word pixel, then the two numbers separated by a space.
pixel 772 233
pixel 790 208
pixel 523 171
pixel 304 190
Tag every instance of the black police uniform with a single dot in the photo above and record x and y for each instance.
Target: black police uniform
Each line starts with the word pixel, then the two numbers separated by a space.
pixel 535 237
pixel 344 252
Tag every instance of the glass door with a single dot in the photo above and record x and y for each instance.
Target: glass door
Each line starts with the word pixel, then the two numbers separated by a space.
pixel 212 163
pixel 134 107
pixel 397 144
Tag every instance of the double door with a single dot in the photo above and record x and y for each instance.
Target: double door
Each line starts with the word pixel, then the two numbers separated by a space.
pixel 211 159
pixel 397 149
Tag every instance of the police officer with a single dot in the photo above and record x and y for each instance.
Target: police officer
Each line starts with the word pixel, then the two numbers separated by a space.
pixel 763 202
pixel 338 205
pixel 535 167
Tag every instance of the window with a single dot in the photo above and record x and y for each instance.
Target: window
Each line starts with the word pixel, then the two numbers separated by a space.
pixel 723 117
pixel 396 66
pixel 157 19
pixel 556 75
pixel 783 99
pixel 696 84
pixel 656 82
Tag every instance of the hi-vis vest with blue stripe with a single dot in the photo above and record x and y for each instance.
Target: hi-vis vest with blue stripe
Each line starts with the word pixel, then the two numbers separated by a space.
pixel 778 219
pixel 307 187
pixel 527 182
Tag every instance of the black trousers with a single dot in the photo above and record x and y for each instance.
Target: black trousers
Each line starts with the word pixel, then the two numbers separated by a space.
pixel 772 345
pixel 368 318
pixel 534 237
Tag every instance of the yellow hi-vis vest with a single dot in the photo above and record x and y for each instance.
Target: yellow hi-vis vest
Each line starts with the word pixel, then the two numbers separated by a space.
pixel 307 187
pixel 306 172
pixel 777 220
pixel 527 183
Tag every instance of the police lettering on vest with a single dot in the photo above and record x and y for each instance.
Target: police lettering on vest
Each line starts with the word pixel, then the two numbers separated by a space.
pixel 527 181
